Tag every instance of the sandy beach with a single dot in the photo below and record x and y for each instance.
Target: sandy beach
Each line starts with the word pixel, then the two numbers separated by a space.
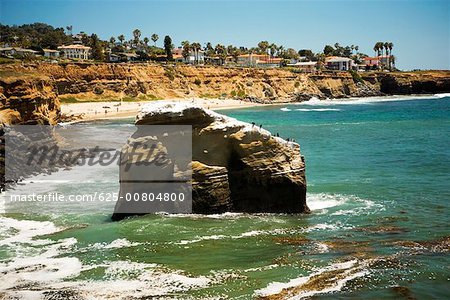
pixel 108 109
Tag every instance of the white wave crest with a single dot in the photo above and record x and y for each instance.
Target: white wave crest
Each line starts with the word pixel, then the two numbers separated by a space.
pixel 116 244
pixel 340 273
pixel 368 100
pixel 318 109
pixel 442 95
pixel 322 200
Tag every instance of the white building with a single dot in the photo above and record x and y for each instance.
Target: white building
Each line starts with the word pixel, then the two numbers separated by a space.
pixel 193 57
pixel 17 51
pixel 307 66
pixel 339 63
pixel 50 53
pixel 75 51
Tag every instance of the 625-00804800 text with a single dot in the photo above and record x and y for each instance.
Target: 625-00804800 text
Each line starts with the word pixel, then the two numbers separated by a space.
pixel 99 196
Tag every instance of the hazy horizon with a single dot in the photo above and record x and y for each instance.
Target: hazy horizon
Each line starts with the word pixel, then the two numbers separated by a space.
pixel 418 29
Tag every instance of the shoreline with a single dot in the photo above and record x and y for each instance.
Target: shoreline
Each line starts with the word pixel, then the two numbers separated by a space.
pixel 101 110
pixel 95 110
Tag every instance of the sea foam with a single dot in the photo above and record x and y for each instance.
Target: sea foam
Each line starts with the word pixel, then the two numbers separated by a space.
pixel 345 271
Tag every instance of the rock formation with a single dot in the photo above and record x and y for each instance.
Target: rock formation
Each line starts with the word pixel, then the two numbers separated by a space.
pixel 25 100
pixel 236 166
pixel 415 83
pixel 28 100
pixel 146 81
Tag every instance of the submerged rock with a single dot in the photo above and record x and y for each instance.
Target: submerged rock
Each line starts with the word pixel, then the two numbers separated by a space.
pixel 236 166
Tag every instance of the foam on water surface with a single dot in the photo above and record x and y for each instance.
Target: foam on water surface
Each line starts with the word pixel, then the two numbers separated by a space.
pixel 298 288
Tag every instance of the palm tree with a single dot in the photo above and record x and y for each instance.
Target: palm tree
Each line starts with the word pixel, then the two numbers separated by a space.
pixel 112 41
pixel 221 51
pixel 263 45
pixel 186 49
pixel 235 52
pixel 386 47
pixel 121 38
pixel 375 48
pixel 280 50
pixel 196 47
pixel 69 29
pixel 273 49
pixel 137 36
pixel 146 40
pixel 390 46
pixel 154 38
pixel 356 49
pixel 392 61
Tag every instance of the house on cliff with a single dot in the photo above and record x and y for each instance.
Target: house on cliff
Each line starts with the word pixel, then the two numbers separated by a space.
pixel 75 51
pixel 9 51
pixel 50 53
pixel 194 57
pixel 377 61
pixel 305 66
pixel 261 60
pixel 339 63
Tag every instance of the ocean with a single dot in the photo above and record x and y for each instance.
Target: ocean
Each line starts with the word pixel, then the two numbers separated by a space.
pixel 378 187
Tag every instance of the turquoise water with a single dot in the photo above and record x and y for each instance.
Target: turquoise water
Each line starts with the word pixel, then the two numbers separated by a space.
pixel 378 187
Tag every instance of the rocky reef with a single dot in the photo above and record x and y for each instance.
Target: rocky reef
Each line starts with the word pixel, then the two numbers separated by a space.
pixel 236 166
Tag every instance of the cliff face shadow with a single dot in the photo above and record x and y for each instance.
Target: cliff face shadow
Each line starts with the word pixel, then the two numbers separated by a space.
pixel 254 193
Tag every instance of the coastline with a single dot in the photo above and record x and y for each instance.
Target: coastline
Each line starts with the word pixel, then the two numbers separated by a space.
pixel 95 110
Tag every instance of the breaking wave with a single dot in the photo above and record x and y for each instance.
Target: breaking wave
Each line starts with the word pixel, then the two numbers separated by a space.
pixel 331 278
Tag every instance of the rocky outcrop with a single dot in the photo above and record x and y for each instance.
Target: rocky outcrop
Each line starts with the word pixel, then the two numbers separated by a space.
pixel 28 100
pixel 415 83
pixel 236 166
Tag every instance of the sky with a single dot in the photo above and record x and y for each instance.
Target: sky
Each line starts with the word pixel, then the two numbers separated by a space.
pixel 419 29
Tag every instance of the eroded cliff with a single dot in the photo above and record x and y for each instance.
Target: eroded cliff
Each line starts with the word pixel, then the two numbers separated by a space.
pixel 28 99
pixel 150 81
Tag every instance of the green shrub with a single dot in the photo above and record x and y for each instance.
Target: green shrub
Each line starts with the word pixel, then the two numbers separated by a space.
pixel 170 74
pixel 356 77
pixel 197 81
pixel 297 84
pixel 241 94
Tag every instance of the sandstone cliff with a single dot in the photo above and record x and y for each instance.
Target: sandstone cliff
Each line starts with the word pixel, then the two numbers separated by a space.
pixel 89 81
pixel 26 99
pixel 151 81
pixel 235 166
pixel 415 83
